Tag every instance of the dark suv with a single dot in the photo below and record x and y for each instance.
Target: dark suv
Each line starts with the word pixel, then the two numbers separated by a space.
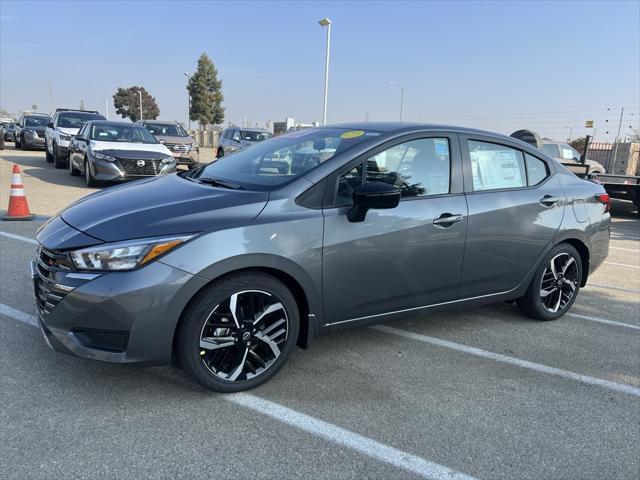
pixel 29 131
pixel 236 138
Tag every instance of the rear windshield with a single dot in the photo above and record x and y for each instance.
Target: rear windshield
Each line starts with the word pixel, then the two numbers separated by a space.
pixel 76 119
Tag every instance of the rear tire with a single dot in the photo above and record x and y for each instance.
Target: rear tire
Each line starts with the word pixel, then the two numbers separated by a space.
pixel 232 345
pixel 555 285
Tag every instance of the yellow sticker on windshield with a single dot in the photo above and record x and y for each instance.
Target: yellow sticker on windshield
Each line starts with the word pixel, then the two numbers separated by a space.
pixel 352 134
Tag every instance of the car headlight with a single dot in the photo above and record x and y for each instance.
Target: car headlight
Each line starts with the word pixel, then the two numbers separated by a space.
pixel 64 137
pixel 102 156
pixel 124 255
pixel 168 160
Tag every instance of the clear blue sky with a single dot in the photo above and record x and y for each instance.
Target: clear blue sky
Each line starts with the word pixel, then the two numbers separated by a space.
pixel 493 65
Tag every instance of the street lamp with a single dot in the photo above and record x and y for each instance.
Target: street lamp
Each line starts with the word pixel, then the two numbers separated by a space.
pixel 139 92
pixel 186 74
pixel 570 133
pixel 325 22
pixel 401 97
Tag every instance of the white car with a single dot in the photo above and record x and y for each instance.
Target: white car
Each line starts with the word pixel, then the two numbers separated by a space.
pixel 64 125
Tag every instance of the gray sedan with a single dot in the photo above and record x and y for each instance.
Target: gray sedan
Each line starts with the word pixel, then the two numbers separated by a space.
pixel 228 267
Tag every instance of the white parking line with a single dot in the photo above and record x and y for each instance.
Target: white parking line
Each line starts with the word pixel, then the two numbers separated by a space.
pixel 328 431
pixel 622 265
pixel 612 287
pixel 18 315
pixel 18 237
pixel 618 387
pixel 346 438
pixel 635 250
pixel 602 320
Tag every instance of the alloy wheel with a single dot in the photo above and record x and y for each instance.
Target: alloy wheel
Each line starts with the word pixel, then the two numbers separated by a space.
pixel 242 336
pixel 559 282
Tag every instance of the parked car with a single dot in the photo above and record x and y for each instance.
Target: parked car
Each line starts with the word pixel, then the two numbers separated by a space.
pixel 236 138
pixel 227 267
pixel 29 130
pixel 65 123
pixel 106 151
pixel 183 147
pixel 567 154
pixel 8 127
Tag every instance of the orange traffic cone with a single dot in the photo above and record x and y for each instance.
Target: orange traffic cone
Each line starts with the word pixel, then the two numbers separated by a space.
pixel 18 206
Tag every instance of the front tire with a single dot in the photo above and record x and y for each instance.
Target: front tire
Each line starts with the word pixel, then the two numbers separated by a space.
pixel 554 286
pixel 238 332
pixel 88 176
pixel 58 162
pixel 17 142
pixel 47 155
pixel 73 171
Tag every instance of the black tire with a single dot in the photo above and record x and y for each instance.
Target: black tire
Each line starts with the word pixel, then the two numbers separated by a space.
pixel 73 171
pixel 17 142
pixel 533 305
pixel 47 155
pixel 58 161
pixel 88 176
pixel 200 310
pixel 220 153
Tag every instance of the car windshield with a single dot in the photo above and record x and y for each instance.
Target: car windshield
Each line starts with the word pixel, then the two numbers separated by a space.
pixel 36 121
pixel 551 149
pixel 167 129
pixel 110 132
pixel 76 119
pixel 255 135
pixel 269 164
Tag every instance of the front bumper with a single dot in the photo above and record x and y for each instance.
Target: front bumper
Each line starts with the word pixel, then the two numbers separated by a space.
pixel 119 317
pixel 32 140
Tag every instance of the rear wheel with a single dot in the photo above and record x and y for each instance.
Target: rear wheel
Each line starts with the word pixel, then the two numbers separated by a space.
pixel 238 332
pixel 554 286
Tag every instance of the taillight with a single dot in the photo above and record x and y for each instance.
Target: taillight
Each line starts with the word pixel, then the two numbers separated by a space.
pixel 604 199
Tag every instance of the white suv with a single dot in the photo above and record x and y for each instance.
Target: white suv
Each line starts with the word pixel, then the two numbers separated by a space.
pixel 64 125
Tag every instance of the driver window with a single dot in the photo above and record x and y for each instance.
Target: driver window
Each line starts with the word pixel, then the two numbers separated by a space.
pixel 236 135
pixel 418 168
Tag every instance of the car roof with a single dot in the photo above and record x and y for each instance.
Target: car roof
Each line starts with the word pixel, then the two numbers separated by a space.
pixel 161 122
pixel 36 115
pixel 250 129
pixel 112 122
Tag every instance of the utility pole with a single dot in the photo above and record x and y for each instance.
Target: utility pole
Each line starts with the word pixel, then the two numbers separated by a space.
pixel 325 22
pixel 186 74
pixel 106 108
pixel 140 96
pixel 615 152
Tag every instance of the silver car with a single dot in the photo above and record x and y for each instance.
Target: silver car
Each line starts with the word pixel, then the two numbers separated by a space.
pixel 229 266
pixel 567 154
pixel 236 138
pixel 171 134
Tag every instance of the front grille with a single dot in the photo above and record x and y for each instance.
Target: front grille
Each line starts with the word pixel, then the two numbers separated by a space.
pixel 48 263
pixel 131 167
pixel 177 147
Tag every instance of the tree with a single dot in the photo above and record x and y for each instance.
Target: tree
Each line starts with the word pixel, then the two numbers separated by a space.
pixel 127 104
pixel 81 104
pixel 205 91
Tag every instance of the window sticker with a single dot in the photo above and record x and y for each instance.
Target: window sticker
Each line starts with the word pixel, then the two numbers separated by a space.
pixel 441 146
pixel 352 134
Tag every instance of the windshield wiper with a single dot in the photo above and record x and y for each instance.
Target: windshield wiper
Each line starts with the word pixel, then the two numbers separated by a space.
pixel 219 183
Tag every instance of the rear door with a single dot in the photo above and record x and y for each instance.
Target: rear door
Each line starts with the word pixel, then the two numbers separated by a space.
pixel 401 258
pixel 515 209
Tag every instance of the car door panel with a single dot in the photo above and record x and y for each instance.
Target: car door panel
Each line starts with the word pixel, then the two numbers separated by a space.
pixel 395 259
pixel 508 231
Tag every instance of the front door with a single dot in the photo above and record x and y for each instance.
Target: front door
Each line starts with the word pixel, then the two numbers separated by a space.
pixel 402 258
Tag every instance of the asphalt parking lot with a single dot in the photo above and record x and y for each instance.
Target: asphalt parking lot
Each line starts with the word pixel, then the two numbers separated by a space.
pixel 482 393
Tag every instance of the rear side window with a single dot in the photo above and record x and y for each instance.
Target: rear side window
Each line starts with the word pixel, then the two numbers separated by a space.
pixel 496 166
pixel 551 149
pixel 537 170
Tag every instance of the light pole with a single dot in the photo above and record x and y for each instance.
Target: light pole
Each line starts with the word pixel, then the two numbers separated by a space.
pixel 401 97
pixel 186 74
pixel 325 22
pixel 570 133
pixel 139 92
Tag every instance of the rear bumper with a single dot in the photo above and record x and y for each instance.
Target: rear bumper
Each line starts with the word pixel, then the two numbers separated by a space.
pixel 120 317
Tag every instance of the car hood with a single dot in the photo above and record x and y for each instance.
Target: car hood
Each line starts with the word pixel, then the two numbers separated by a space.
pixel 99 146
pixel 69 131
pixel 165 205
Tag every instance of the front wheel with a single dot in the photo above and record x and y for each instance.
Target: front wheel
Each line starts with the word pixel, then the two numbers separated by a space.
pixel 47 155
pixel 238 332
pixel 73 171
pixel 554 286
pixel 58 161
pixel 88 176
pixel 17 142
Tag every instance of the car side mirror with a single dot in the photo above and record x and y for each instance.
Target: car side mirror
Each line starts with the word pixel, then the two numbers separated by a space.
pixel 50 124
pixel 81 138
pixel 372 195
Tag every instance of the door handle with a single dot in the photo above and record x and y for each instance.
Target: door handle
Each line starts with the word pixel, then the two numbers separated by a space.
pixel 446 220
pixel 549 200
